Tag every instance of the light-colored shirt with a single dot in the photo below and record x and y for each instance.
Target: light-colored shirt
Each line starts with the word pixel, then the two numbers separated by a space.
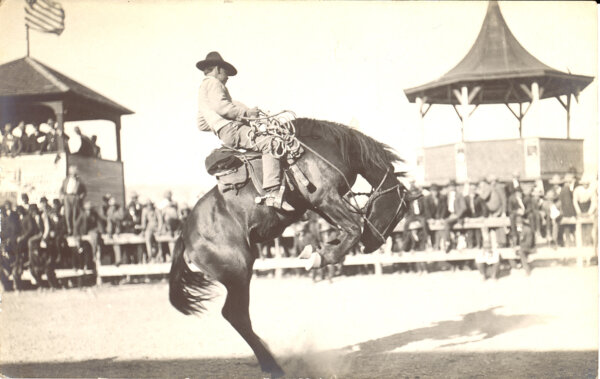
pixel 216 109
pixel 582 195
pixel 71 186
pixel 451 198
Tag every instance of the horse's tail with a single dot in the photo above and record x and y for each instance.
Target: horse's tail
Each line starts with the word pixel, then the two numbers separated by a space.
pixel 187 289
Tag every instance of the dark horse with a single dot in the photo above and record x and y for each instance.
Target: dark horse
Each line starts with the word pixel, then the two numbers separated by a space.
pixel 220 235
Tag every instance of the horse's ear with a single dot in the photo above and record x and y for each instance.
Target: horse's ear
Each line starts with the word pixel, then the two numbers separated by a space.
pixel 400 174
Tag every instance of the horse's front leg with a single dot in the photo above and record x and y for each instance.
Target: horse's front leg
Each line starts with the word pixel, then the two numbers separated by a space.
pixel 335 209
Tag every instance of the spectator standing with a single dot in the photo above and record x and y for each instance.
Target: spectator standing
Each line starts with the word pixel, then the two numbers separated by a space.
pixel 42 248
pixel 457 210
pixel 73 192
pixel 551 210
pixel 95 147
pixel 584 197
pixel 38 140
pixel 151 224
pixel 55 138
pixel 169 214
pixel 435 208
pixel 87 223
pixel 10 228
pixel 29 228
pixel 586 203
pixel 20 133
pixel 11 145
pixel 114 217
pixel 514 183
pixel 134 208
pixel 476 208
pixel 516 209
pixel 416 212
pixel 567 208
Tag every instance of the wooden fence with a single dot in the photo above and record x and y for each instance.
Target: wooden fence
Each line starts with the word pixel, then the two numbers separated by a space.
pixel 581 253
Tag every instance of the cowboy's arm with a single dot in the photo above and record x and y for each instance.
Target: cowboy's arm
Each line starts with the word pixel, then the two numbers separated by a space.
pixel 220 102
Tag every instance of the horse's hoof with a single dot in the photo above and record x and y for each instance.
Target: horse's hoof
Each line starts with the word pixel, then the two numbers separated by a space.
pixel 277 372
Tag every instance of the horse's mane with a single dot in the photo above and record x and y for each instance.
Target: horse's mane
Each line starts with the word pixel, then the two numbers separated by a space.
pixel 352 142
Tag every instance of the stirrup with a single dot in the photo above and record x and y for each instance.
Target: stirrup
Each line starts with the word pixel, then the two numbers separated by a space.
pixel 272 198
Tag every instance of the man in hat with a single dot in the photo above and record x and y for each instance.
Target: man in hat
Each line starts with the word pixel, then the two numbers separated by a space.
pixel 551 209
pixel 418 238
pixel 151 225
pixel 218 113
pixel 87 223
pixel 10 228
pixel 72 191
pixel 134 208
pixel 516 209
pixel 586 203
pixel 435 208
pixel 457 210
pixel 567 209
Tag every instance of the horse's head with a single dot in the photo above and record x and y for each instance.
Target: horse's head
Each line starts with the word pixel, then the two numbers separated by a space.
pixel 386 207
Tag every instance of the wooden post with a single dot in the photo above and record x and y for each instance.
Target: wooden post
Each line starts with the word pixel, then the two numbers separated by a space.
pixel 378 265
pixel 568 116
pixel 579 240
pixel 117 122
pixel 278 255
pixel 98 259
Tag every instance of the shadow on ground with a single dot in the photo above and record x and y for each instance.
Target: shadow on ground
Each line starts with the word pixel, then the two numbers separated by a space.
pixel 475 326
pixel 371 359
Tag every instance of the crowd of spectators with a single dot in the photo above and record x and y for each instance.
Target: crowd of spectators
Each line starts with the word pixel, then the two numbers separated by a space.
pixel 18 138
pixel 535 214
pixel 35 235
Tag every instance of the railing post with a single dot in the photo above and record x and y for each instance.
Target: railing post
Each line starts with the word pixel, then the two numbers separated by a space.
pixel 98 261
pixel 278 255
pixel 579 241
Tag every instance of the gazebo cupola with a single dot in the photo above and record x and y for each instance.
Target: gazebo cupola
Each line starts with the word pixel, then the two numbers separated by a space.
pixel 498 70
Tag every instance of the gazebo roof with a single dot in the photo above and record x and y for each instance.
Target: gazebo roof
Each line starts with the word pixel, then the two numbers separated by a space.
pixel 26 81
pixel 498 64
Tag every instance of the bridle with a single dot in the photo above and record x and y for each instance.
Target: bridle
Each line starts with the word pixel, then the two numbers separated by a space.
pixel 374 195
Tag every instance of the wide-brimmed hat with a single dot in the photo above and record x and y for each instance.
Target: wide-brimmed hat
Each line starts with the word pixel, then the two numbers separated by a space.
pixel 556 179
pixel 214 59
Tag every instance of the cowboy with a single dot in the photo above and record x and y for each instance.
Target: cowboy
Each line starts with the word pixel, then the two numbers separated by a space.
pixel 219 114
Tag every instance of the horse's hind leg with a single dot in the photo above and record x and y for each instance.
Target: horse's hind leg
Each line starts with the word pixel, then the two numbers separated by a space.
pixel 236 312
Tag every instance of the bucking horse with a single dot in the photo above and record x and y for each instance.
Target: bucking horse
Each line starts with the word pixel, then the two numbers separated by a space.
pixel 221 234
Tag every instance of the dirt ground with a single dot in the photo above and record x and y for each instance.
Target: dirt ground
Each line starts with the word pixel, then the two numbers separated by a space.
pixel 439 325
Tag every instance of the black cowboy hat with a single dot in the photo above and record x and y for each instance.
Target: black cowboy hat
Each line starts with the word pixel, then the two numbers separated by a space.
pixel 214 59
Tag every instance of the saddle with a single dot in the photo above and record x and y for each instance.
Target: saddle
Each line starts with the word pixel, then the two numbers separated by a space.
pixel 231 168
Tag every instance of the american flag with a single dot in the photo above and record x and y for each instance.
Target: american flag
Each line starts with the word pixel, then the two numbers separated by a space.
pixel 45 16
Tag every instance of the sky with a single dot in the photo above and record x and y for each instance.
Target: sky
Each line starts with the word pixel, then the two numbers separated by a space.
pixel 341 61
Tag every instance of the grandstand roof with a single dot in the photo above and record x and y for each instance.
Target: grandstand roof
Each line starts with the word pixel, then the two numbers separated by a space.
pixel 27 80
pixel 498 64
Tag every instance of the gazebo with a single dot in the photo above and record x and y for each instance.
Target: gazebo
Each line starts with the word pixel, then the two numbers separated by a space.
pixel 498 70
pixel 33 92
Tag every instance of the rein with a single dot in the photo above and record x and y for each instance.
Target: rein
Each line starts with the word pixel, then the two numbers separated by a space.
pixel 282 128
pixel 373 196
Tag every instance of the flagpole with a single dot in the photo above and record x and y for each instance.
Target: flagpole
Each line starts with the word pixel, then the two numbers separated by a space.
pixel 27 36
